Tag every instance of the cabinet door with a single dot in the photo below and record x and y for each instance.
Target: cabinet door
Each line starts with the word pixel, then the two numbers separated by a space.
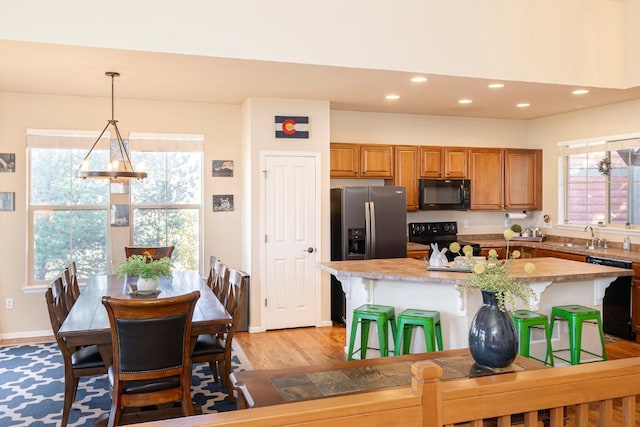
pixel 376 161
pixel 500 250
pixel 456 161
pixel 541 253
pixel 522 179
pixel 345 160
pixel 635 300
pixel 431 162
pixel 406 173
pixel 485 171
pixel 418 254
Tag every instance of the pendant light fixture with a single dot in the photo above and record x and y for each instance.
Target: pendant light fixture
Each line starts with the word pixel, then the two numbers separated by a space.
pixel 117 168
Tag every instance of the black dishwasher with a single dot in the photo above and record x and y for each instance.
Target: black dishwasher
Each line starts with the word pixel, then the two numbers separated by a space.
pixel 616 304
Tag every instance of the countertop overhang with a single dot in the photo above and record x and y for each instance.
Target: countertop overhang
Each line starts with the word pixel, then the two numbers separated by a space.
pixel 413 270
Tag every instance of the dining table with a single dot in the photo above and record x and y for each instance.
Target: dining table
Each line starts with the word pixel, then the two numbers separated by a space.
pixel 88 323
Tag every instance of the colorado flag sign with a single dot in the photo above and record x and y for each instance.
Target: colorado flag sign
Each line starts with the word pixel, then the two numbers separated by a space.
pixel 292 127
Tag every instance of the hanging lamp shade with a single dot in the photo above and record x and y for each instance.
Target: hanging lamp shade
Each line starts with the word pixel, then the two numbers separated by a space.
pixel 120 168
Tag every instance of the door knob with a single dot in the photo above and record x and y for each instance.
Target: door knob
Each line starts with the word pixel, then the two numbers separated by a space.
pixel 310 250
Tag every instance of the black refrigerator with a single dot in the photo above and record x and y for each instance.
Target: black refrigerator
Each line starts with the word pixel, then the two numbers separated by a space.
pixel 366 223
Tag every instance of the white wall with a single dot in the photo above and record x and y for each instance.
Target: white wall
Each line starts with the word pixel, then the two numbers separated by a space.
pixel 219 123
pixel 581 42
pixel 261 112
pixel 617 119
pixel 408 129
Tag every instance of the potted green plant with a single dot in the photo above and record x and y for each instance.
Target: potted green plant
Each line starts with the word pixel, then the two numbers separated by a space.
pixel 147 269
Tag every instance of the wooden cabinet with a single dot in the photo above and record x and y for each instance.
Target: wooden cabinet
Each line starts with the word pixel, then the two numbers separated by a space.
pixel 456 160
pixel 486 175
pixel 444 162
pixel 522 179
pixel 505 178
pixel 405 172
pixel 376 161
pixel 501 251
pixel 541 253
pixel 421 255
pixel 635 300
pixel 431 162
pixel 361 160
pixel 345 160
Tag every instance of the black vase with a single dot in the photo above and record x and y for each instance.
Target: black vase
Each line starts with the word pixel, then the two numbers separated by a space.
pixel 493 339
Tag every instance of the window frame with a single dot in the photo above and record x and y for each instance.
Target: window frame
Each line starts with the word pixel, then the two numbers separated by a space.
pixel 585 146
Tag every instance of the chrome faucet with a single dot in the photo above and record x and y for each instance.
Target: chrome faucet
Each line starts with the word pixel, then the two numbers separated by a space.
pixel 593 237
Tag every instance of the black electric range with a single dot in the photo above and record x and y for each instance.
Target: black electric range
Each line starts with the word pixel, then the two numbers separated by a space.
pixel 442 233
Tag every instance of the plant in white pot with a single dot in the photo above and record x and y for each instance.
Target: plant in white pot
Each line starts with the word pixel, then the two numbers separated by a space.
pixel 147 269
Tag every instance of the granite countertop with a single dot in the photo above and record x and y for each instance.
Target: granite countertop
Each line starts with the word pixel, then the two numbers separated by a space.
pixel 413 270
pixel 412 246
pixel 578 247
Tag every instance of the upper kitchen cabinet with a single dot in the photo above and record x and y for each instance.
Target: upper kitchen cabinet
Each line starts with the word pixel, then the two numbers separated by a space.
pixel 405 172
pixel 376 161
pixel 345 160
pixel 523 179
pixel 486 173
pixel 431 162
pixel 444 162
pixel 505 178
pixel 361 160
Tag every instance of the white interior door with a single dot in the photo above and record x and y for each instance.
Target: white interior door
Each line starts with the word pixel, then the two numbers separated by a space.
pixel 291 229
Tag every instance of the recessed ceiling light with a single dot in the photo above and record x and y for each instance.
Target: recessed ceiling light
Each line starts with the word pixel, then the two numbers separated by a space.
pixel 465 101
pixel 418 79
pixel 392 97
pixel 496 85
pixel 580 91
pixel 523 104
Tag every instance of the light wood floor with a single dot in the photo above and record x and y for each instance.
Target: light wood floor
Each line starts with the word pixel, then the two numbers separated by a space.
pixel 312 346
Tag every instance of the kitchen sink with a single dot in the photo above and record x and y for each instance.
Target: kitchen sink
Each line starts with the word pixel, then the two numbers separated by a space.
pixel 565 245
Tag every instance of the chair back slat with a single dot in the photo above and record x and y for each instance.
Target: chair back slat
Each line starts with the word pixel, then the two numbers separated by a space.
pixel 155 252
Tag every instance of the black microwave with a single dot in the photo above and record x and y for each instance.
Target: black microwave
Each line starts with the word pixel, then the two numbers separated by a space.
pixel 445 194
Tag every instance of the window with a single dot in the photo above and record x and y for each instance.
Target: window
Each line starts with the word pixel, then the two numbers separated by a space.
pixel 601 180
pixel 67 216
pixel 167 205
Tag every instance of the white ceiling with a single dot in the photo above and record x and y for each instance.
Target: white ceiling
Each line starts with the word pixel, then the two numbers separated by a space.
pixel 79 71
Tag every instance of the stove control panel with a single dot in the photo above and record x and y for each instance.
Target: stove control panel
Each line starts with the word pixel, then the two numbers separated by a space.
pixel 447 228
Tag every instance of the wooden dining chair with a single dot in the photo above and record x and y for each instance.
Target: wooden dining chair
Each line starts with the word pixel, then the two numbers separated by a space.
pixel 221 281
pixel 216 349
pixel 151 354
pixel 69 294
pixel 212 277
pixel 155 252
pixel 73 274
pixel 81 362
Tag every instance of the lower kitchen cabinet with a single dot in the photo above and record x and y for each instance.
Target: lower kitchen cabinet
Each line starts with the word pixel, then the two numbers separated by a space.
pixel 417 254
pixel 635 300
pixel 541 253
pixel 500 250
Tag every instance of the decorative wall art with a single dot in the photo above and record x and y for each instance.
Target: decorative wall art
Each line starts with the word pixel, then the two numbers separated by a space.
pixel 292 126
pixel 119 215
pixel 222 202
pixel 222 168
pixel 7 162
pixel 7 201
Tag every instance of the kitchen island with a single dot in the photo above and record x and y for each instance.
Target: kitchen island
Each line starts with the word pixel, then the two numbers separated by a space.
pixel 406 283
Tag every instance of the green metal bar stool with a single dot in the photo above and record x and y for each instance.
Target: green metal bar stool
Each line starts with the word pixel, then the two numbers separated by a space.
pixel 411 318
pixel 576 315
pixel 524 320
pixel 384 316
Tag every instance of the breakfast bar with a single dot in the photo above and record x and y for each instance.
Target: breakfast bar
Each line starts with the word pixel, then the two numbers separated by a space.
pixel 405 283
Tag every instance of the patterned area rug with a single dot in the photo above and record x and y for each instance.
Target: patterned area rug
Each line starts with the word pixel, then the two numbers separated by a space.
pixel 32 392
